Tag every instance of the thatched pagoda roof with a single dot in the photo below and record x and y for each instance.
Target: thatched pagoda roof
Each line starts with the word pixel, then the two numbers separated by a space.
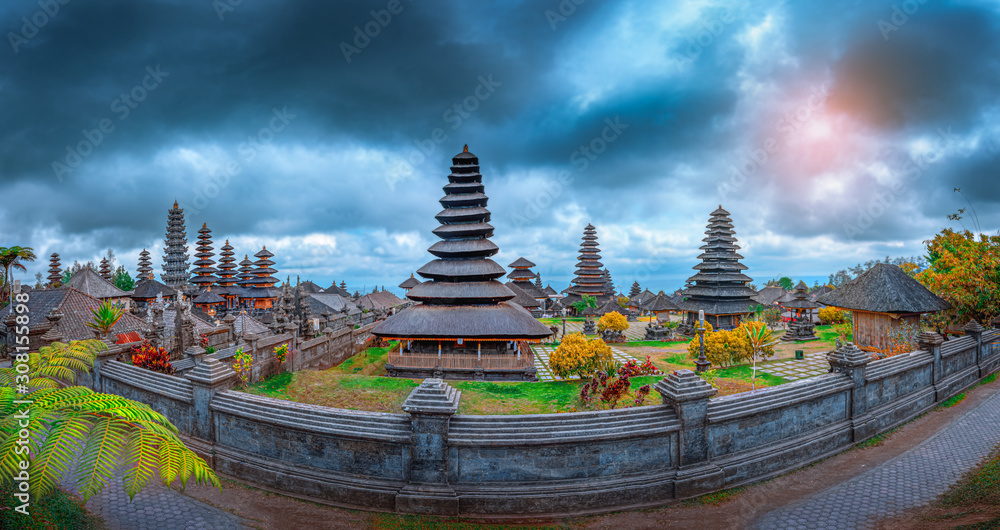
pixel 719 288
pixel 884 288
pixel 661 302
pixel 89 282
pixel 523 298
pixel 801 298
pixel 409 283
pixel 463 297
pixel 769 295
pixel 521 263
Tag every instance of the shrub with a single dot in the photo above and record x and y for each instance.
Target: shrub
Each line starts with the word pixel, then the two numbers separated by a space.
pixel 832 315
pixel 578 356
pixel 726 348
pixel 614 321
pixel 147 356
pixel 242 364
pixel 281 351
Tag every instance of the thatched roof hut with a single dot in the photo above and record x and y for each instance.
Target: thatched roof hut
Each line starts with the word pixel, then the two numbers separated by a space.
pixel 884 300
pixel 661 303
pixel 769 295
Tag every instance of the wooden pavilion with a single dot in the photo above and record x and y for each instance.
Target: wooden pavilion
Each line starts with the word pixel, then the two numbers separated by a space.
pixel 886 304
pixel 463 326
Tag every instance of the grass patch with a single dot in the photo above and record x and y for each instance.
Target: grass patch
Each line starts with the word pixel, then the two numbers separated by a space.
pixel 484 397
pixel 57 509
pixel 988 379
pixel 979 486
pixel 418 522
pixel 736 379
pixel 952 401
pixel 554 321
pixel 879 439
pixel 275 386
pixel 371 362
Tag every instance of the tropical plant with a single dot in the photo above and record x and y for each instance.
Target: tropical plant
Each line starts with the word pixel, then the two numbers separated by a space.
pixel 147 356
pixel 761 341
pixel 725 347
pixel 583 303
pixel 281 351
pixel 242 364
pixel 785 283
pixel 74 430
pixel 10 260
pixel 105 316
pixel 832 315
pixel 122 279
pixel 576 355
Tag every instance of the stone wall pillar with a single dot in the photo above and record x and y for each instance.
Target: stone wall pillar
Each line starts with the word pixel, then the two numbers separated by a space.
pixel 208 377
pixel 688 394
pixel 852 362
pixel 930 341
pixel 431 406
pixel 974 330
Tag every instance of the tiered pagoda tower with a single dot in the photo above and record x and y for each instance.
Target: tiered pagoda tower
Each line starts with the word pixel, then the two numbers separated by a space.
pixel 227 283
pixel 463 326
pixel 55 271
pixel 145 269
pixel 205 271
pixel 521 277
pixel 719 288
pixel 590 278
pixel 609 285
pixel 105 269
pixel 636 290
pixel 175 258
pixel 258 286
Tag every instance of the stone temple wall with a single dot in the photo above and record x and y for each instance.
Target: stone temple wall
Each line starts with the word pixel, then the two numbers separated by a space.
pixel 428 459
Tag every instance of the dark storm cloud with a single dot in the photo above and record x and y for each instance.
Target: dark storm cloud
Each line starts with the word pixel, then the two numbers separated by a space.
pixel 555 84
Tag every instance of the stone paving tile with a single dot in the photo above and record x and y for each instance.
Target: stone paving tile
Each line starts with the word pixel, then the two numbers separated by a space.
pixel 908 481
pixel 155 507
pixel 793 369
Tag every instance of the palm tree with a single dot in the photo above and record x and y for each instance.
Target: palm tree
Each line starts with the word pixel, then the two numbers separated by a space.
pixel 11 258
pixel 760 339
pixel 73 429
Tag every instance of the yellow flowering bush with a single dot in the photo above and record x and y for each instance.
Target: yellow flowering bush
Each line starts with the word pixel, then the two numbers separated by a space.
pixel 614 321
pixel 578 356
pixel 726 348
pixel 832 315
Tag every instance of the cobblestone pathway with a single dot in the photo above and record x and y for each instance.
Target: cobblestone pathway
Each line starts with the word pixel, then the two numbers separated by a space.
pixel 156 507
pixel 542 361
pixel 793 369
pixel 908 481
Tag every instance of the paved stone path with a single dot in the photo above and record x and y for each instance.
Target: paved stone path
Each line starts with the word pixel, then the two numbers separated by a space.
pixel 156 507
pixel 793 369
pixel 635 332
pixel 542 361
pixel 908 481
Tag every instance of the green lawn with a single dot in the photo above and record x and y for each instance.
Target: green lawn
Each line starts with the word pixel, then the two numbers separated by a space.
pixel 554 321
pixel 656 343
pixel 483 397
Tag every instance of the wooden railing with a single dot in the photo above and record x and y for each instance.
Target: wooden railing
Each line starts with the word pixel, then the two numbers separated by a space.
pixel 492 361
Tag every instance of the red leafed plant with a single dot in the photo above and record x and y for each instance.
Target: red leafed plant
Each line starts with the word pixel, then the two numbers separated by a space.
pixel 611 389
pixel 145 355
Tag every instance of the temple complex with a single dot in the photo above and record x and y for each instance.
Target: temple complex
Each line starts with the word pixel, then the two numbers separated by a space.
pixel 719 288
pixel 463 326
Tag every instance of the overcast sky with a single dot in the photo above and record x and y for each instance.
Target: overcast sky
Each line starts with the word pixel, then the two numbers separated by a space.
pixel 834 132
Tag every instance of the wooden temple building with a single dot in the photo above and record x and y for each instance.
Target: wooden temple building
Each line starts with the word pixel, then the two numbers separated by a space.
pixel 590 277
pixel 884 301
pixel 720 288
pixel 463 326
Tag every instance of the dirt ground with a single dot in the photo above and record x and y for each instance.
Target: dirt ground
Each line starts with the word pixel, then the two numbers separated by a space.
pixel 732 509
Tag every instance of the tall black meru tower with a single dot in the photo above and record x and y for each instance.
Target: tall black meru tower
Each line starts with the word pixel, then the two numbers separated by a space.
pixel 719 288
pixel 463 308
pixel 175 257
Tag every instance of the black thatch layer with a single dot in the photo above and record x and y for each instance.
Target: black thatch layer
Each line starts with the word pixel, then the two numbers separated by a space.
pixel 148 288
pixel 522 298
pixel 409 283
pixel 590 279
pixel 769 295
pixel 884 288
pixel 719 288
pixel 660 302
pixel 801 300
pixel 462 297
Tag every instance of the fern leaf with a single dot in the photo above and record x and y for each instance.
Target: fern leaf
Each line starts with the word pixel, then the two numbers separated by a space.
pixel 58 452
pixel 98 463
pixel 141 458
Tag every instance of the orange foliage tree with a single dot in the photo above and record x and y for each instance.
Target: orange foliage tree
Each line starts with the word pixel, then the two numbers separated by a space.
pixel 964 270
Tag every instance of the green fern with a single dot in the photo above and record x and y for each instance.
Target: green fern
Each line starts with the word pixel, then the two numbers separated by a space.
pixel 92 435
